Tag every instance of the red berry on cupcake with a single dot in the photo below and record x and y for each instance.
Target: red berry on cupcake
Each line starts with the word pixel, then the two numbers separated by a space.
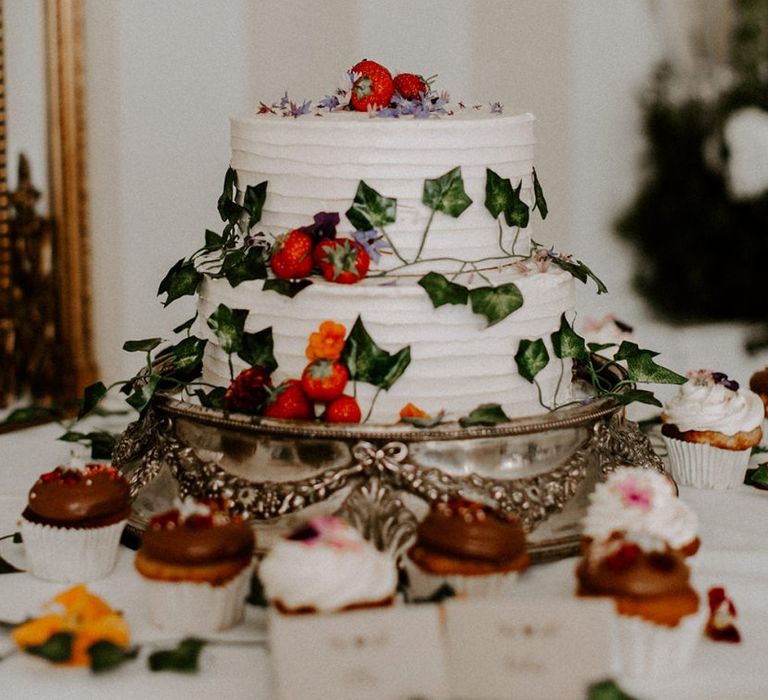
pixel 343 261
pixel 290 401
pixel 344 409
pixel 373 86
pixel 248 391
pixel 410 86
pixel 324 380
pixel 292 255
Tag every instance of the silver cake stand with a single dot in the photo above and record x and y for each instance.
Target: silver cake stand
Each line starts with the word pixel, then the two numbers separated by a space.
pixel 381 478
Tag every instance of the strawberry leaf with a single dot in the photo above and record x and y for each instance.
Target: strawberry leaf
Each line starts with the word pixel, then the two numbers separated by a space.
pixel 181 280
pixel 580 271
pixel 371 210
pixel 228 325
pixel 258 349
pixel 105 655
pixel 531 358
pixel 241 266
pixel 567 343
pixel 540 203
pixel 183 658
pixel 485 414
pixel 146 345
pixel 288 288
pixel 496 303
pixel 91 396
pixel 367 362
pixel 642 368
pixel 253 202
pixel 442 291
pixel 57 648
pixel 228 208
pixel 446 193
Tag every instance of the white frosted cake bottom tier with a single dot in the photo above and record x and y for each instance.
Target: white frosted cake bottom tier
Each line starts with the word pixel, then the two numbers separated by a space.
pixel 457 361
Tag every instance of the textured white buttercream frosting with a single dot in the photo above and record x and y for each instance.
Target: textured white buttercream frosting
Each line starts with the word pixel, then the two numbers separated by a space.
pixel 335 569
pixel 641 505
pixel 705 406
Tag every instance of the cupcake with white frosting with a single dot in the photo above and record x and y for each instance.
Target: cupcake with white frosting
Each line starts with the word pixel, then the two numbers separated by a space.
pixel 710 428
pixel 327 566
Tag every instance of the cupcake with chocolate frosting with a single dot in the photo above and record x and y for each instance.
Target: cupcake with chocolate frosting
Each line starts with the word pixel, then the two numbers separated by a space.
pixel 73 520
pixel 469 546
pixel 327 566
pixel 758 383
pixel 709 429
pixel 196 563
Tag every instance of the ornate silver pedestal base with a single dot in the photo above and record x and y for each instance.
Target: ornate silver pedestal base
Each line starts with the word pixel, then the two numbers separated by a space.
pixel 381 478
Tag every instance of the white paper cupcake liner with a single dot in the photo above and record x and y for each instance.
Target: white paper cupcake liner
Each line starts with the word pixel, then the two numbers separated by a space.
pixel 644 650
pixel 70 555
pixel 705 466
pixel 423 584
pixel 197 607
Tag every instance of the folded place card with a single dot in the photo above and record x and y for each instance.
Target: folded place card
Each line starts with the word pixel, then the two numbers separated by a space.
pixel 536 649
pixel 378 654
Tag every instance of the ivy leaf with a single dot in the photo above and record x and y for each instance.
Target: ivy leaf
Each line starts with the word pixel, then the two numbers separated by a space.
pixel 228 324
pixel 181 280
pixel 496 303
pixel 498 193
pixel 57 648
pixel 258 349
pixel 599 347
pixel 757 477
pixel 253 202
pixel 183 658
pixel 446 193
pixel 186 325
pixel 568 343
pixel 540 203
pixel 105 655
pixel 642 368
pixel 367 362
pixel 141 397
pixel 606 690
pixel 518 214
pixel 636 395
pixel 580 271
pixel 370 209
pixel 213 398
pixel 485 414
pixel 188 358
pixel 288 288
pixel 442 291
pixel 257 596
pixel 91 396
pixel 531 358
pixel 228 208
pixel 213 241
pixel 101 442
pixel 28 414
pixel 241 266
pixel 146 345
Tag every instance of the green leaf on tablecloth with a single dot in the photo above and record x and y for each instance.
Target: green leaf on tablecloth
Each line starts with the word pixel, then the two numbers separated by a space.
pixel 485 414
pixel 91 396
pixel 142 395
pixel 57 648
pixel 757 477
pixel 258 349
pixel 568 343
pixel 496 303
pixel 607 690
pixel 183 658
pixel 213 398
pixel 440 594
pixel 367 362
pixel 429 422
pixel 181 280
pixel 629 396
pixel 244 265
pixel 642 368
pixel 371 210
pixel 540 202
pixel 442 291
pixel 228 208
pixel 288 288
pixel 7 568
pixel 256 595
pixel 446 193
pixel 29 414
pixel 228 324
pixel 759 450
pixel 531 358
pixel 105 655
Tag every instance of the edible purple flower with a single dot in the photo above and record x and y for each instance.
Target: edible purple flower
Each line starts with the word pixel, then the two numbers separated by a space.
pixel 284 101
pixel 296 110
pixel 496 108
pixel 329 102
pixel 324 226
pixel 389 113
pixel 722 378
pixel 373 243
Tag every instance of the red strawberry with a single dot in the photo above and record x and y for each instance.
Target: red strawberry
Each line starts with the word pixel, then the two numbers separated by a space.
pixel 345 409
pixel 342 260
pixel 248 391
pixel 373 87
pixel 324 380
pixel 292 255
pixel 410 86
pixel 290 401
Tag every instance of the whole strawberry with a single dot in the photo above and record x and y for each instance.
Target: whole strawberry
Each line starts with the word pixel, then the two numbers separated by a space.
pixel 292 255
pixel 345 409
pixel 410 86
pixel 324 380
pixel 372 88
pixel 289 401
pixel 248 391
pixel 342 260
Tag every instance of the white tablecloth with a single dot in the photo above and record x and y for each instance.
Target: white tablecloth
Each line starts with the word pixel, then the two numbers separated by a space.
pixel 734 554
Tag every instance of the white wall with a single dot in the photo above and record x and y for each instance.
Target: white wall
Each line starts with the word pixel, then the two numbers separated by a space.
pixel 163 77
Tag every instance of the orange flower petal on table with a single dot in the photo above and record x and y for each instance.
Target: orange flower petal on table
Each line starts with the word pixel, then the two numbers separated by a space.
pixel 38 631
pixel 327 342
pixel 412 411
pixel 109 628
pixel 82 606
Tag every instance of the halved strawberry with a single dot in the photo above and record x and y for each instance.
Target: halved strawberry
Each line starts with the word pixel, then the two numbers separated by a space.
pixel 344 409
pixel 410 86
pixel 372 88
pixel 292 255
pixel 248 391
pixel 342 260
pixel 324 380
pixel 290 401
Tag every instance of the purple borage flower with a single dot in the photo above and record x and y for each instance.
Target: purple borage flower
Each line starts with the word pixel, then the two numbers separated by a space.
pixel 295 110
pixel 373 243
pixel 324 226
pixel 496 108
pixel 329 102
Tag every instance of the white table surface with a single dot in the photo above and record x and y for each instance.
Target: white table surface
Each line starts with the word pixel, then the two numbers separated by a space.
pixel 734 554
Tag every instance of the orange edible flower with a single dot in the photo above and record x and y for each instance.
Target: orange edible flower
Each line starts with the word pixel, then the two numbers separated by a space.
pixel 412 411
pixel 326 343
pixel 86 616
